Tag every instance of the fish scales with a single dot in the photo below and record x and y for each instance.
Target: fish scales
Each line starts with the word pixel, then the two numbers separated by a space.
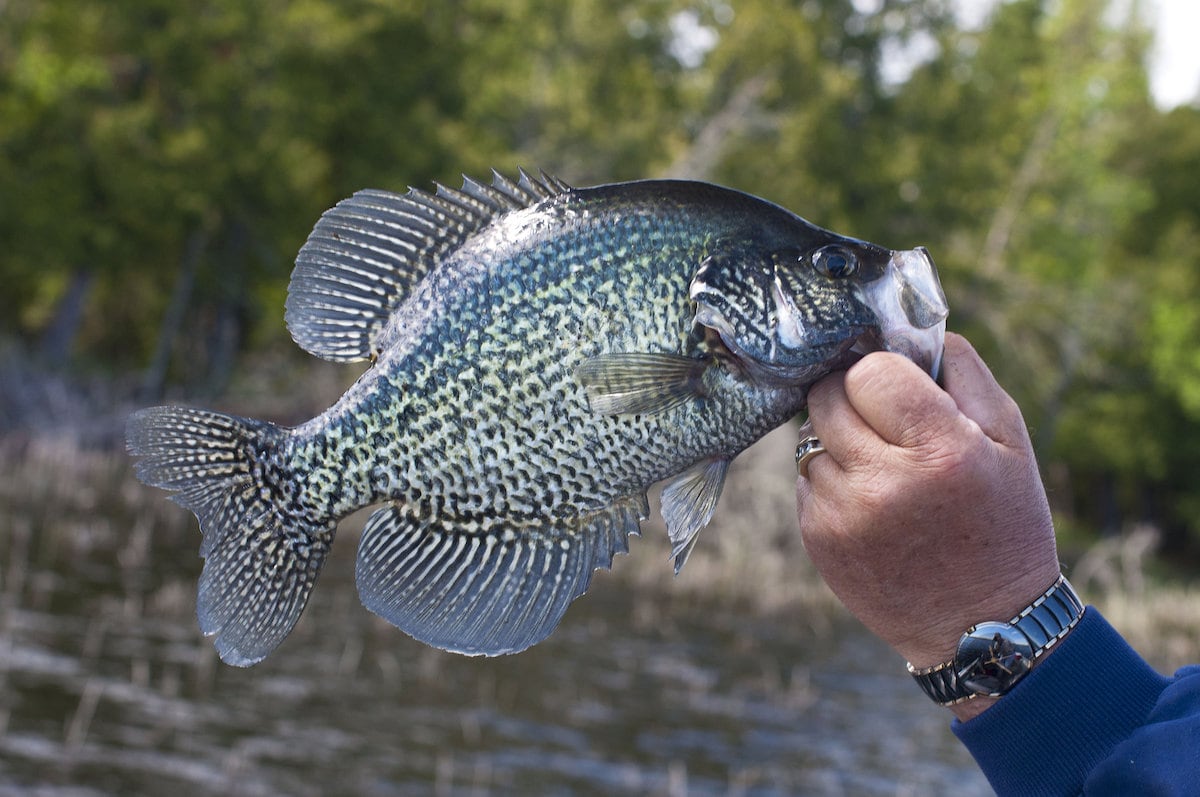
pixel 467 352
pixel 559 351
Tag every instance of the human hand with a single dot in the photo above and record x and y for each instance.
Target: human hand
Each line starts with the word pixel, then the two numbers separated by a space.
pixel 927 514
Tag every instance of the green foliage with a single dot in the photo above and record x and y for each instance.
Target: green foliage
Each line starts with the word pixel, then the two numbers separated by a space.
pixel 165 160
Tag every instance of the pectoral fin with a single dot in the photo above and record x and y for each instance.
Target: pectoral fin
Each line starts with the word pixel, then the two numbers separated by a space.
pixel 688 504
pixel 641 383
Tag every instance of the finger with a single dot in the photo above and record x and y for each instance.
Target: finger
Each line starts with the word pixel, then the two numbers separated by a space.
pixel 827 410
pixel 898 400
pixel 830 416
pixel 978 395
pixel 803 494
pixel 848 440
pixel 809 450
pixel 814 481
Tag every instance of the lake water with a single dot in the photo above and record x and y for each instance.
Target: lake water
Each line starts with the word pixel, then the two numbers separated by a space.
pixel 107 688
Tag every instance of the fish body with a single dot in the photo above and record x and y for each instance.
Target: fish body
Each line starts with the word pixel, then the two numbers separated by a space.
pixel 542 355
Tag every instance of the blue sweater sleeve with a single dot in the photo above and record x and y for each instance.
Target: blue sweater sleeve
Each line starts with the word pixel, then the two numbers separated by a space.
pixel 1163 756
pixel 1093 718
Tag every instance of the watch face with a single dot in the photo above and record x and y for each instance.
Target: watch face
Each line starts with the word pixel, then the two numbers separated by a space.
pixel 992 657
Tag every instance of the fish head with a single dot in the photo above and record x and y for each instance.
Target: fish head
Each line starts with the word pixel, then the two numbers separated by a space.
pixel 790 314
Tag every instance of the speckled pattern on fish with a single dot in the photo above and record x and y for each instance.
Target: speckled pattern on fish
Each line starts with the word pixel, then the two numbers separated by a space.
pixel 542 355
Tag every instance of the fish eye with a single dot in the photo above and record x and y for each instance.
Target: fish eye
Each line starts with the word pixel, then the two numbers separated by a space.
pixel 835 261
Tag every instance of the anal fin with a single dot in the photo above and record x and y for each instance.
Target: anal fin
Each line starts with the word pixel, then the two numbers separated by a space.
pixel 688 504
pixel 633 383
pixel 485 587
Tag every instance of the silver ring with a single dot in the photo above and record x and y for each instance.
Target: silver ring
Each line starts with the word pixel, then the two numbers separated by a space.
pixel 808 448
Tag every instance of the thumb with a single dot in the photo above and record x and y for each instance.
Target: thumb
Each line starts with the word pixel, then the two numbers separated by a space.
pixel 898 400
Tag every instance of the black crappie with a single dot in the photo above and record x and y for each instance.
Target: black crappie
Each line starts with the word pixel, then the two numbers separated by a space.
pixel 542 356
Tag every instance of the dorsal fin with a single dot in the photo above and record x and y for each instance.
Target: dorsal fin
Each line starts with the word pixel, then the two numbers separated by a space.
pixel 367 253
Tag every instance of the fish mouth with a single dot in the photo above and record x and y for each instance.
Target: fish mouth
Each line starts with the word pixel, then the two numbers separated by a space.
pixel 851 351
pixel 923 347
pixel 866 343
pixel 836 356
pixel 911 307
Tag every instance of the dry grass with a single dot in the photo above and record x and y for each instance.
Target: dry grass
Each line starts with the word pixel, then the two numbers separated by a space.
pixel 751 556
pixel 1161 620
pixel 62 508
pixel 84 545
pixel 1163 623
pixel 77 500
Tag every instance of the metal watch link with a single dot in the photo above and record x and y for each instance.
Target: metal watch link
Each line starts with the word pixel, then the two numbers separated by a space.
pixel 992 657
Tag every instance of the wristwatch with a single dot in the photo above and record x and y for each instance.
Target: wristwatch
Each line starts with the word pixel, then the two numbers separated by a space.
pixel 992 657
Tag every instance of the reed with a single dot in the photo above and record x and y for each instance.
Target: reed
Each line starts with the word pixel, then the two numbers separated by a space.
pixel 1162 623
pixel 1161 619
pixel 65 507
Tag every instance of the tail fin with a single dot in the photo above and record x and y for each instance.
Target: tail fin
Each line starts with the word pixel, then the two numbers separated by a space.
pixel 260 561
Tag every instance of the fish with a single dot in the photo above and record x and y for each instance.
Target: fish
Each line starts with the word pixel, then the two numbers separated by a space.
pixel 538 357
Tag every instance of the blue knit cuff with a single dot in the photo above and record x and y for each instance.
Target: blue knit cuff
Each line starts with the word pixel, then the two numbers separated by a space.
pixel 1053 728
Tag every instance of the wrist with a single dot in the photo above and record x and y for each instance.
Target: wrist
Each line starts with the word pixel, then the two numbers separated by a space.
pixel 972 708
pixel 993 656
pixel 976 706
pixel 968 595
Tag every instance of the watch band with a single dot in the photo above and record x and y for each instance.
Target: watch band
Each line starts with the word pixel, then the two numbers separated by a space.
pixel 992 657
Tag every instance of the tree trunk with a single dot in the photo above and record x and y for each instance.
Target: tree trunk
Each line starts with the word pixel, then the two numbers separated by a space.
pixel 59 338
pixel 155 377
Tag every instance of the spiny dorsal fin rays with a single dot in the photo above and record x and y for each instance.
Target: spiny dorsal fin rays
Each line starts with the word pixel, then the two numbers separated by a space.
pixel 632 383
pixel 688 504
pixel 483 591
pixel 366 254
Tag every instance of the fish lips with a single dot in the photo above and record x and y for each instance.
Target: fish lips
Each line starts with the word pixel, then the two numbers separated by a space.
pixel 911 308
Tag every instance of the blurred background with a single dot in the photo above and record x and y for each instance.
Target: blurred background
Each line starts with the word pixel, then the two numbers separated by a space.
pixel 161 162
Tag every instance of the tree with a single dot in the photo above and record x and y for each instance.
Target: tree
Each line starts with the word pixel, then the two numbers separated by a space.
pixel 180 153
pixel 163 162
